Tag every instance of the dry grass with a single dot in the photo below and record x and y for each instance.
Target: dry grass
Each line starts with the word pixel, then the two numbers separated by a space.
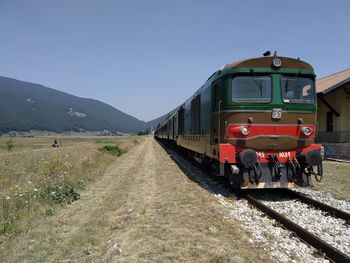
pixel 144 209
pixel 45 142
pixel 336 179
pixel 33 181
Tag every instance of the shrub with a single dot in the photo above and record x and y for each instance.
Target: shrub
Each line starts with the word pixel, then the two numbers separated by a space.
pixel 112 149
pixel 60 194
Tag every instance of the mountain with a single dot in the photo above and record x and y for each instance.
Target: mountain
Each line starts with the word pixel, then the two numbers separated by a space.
pixel 153 124
pixel 27 106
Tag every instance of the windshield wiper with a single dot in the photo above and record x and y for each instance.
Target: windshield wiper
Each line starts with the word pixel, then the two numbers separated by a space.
pixel 287 83
pixel 260 86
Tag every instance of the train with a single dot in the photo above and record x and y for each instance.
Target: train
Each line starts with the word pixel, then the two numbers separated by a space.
pixel 253 122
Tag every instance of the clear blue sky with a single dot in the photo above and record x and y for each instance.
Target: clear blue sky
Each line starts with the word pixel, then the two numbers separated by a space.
pixel 146 57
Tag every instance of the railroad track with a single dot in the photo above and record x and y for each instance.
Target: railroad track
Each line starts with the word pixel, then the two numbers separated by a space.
pixel 335 212
pixel 322 247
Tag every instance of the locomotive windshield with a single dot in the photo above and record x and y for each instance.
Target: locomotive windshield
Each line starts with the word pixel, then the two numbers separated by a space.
pixel 251 89
pixel 298 90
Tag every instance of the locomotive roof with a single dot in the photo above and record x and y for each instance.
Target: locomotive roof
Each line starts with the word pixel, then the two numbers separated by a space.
pixel 266 62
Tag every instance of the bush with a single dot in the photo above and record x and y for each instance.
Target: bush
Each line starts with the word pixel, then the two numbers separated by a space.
pixel 60 194
pixel 112 149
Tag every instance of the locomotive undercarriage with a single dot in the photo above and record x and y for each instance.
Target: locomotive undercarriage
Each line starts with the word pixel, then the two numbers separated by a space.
pixel 250 172
pixel 292 173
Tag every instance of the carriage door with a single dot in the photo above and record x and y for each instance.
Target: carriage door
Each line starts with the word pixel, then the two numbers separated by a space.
pixel 217 96
pixel 180 123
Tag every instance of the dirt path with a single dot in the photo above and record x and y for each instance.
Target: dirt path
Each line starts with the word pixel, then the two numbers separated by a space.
pixel 143 209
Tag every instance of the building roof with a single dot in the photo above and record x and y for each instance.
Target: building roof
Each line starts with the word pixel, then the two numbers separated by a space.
pixel 329 83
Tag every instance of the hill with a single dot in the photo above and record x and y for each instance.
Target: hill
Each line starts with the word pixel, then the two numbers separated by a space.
pixel 27 106
pixel 153 124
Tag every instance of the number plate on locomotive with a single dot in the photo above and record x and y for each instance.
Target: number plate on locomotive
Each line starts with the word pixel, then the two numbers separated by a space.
pixel 276 113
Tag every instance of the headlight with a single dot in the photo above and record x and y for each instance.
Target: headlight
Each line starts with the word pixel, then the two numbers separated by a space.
pixel 245 130
pixel 277 62
pixel 306 131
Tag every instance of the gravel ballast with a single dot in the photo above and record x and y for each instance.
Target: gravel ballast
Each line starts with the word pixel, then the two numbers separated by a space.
pixel 326 198
pixel 265 232
pixel 333 230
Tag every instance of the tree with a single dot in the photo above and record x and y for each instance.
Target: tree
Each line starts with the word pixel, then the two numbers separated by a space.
pixel 144 132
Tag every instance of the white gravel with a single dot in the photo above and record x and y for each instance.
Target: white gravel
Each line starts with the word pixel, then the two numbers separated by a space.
pixel 332 230
pixel 281 244
pixel 326 198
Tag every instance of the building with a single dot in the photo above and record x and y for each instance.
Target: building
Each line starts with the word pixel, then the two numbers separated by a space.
pixel 333 98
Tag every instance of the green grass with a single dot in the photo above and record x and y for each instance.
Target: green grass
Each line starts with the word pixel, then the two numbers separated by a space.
pixel 112 149
pixel 105 141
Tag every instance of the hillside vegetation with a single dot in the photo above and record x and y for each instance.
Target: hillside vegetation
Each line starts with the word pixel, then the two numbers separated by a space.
pixel 27 106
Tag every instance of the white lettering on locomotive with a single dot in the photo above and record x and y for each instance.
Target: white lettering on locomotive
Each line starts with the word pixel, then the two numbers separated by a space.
pixel 276 113
pixel 284 154
pixel 260 154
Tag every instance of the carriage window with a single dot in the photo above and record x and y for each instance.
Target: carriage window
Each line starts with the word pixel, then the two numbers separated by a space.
pixel 298 90
pixel 251 89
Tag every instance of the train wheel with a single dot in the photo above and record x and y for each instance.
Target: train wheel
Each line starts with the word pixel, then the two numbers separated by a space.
pixel 303 176
pixel 245 179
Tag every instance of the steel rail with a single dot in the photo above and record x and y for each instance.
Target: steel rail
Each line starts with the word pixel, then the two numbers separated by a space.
pixel 335 212
pixel 330 252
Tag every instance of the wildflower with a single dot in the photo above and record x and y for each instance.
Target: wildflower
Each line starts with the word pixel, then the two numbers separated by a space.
pixel 35 190
pixel 29 182
pixel 7 197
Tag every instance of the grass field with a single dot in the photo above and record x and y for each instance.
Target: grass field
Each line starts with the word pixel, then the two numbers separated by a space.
pixel 336 179
pixel 45 142
pixel 135 205
pixel 143 209
pixel 36 177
